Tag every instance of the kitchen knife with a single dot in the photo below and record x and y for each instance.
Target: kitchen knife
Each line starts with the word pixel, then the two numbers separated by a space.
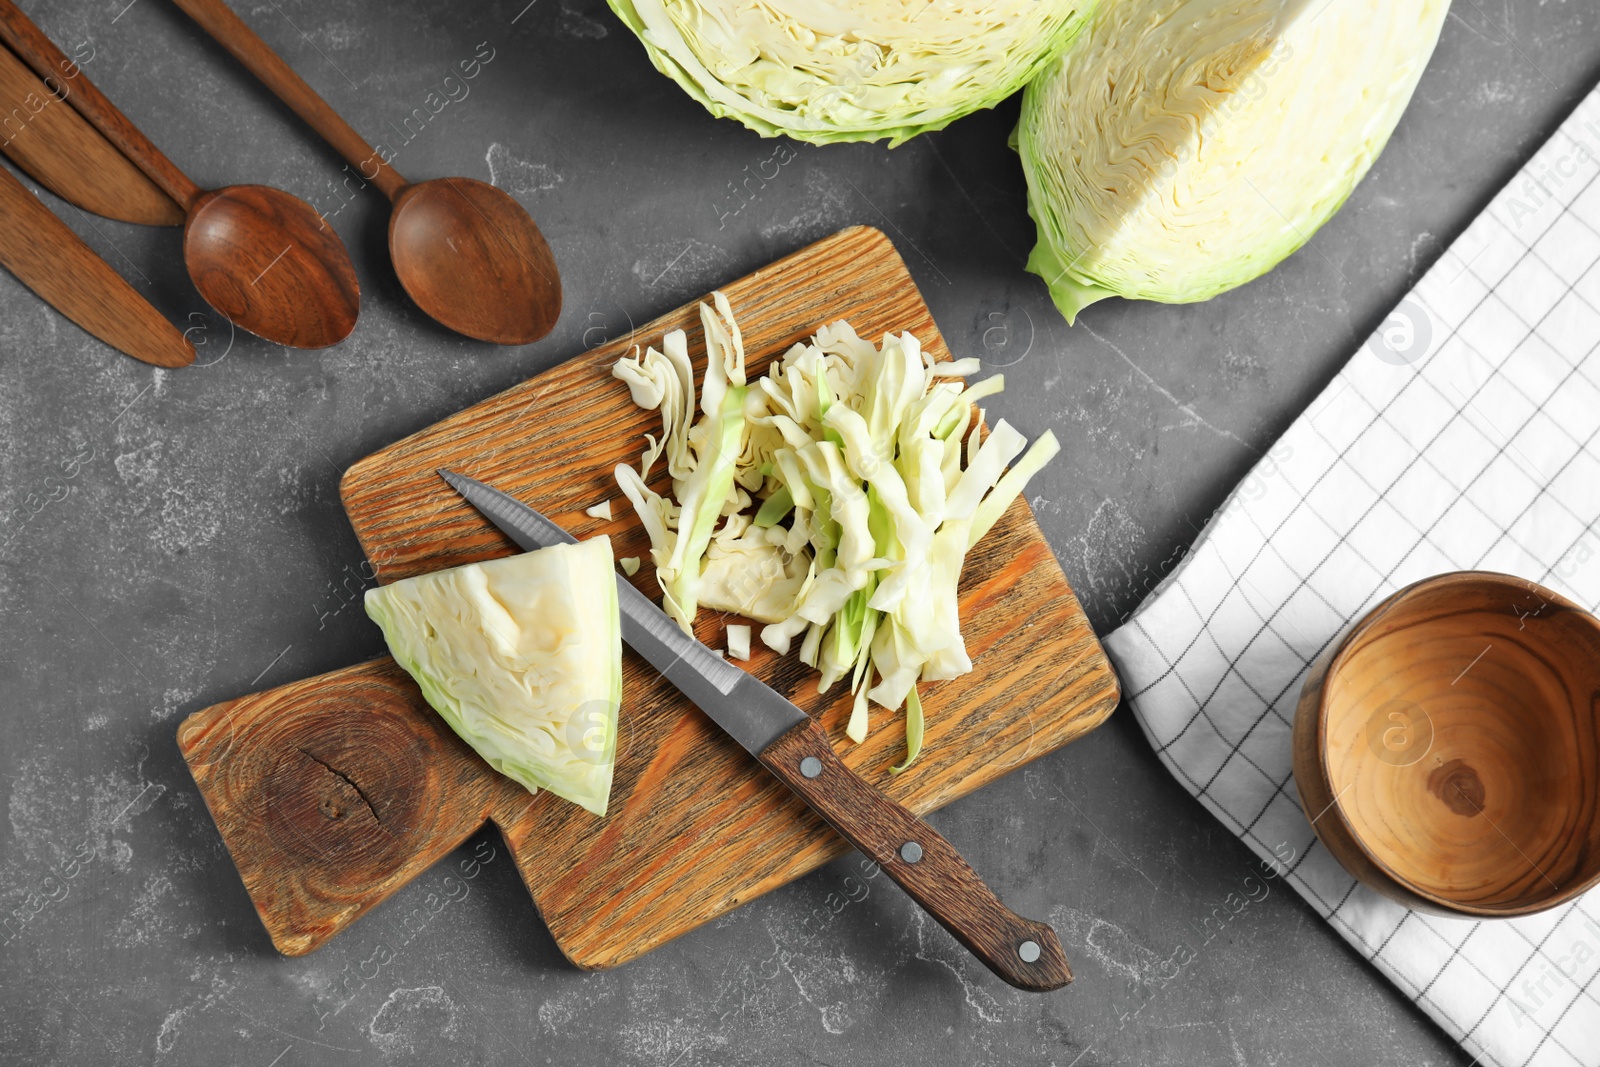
pixel 50 259
pixel 46 137
pixel 788 743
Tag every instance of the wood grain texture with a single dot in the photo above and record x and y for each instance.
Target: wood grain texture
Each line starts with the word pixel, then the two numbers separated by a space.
pixel 473 258
pixel 255 55
pixel 269 263
pixel 54 262
pixel 333 792
pixel 43 135
pixel 1024 952
pixel 467 253
pixel 35 48
pixel 696 827
pixel 266 260
pixel 1451 744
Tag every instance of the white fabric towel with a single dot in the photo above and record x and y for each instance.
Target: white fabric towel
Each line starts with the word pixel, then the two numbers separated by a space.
pixel 1462 436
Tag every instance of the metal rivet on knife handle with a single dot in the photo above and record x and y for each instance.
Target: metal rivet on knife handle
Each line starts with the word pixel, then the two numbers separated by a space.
pixel 916 858
pixel 791 745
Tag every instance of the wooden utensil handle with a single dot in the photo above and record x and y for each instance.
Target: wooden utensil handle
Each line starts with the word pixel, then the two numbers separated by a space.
pixel 54 262
pixel 234 34
pixel 1025 953
pixel 50 63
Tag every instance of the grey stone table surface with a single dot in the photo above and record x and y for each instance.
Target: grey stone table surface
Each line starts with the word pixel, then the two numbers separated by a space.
pixel 171 539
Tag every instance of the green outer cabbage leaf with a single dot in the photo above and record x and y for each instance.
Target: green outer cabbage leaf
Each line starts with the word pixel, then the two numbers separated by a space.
pixel 851 70
pixel 522 656
pixel 1183 147
pixel 701 499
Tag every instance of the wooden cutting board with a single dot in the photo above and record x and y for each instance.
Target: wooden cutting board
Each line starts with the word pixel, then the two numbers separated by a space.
pixel 333 792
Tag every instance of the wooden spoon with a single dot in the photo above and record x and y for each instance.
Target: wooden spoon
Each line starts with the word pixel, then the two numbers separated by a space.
pixel 261 257
pixel 466 252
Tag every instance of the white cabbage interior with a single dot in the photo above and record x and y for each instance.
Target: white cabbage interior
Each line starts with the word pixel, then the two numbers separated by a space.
pixel 1182 148
pixel 822 65
pixel 523 657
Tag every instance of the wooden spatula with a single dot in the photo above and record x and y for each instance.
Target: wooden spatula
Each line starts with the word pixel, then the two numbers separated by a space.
pixel 46 137
pixel 54 262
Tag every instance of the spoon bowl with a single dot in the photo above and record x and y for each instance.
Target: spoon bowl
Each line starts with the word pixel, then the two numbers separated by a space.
pixel 466 252
pixel 472 258
pixel 263 258
pixel 269 262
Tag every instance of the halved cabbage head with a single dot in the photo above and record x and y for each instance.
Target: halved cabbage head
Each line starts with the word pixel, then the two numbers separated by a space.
pixel 1183 147
pixel 851 70
pixel 522 656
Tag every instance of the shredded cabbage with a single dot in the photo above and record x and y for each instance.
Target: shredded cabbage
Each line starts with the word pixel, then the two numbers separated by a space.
pixel 738 641
pixel 522 656
pixel 845 508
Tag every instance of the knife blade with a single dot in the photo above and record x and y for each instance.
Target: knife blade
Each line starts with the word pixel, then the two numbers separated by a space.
pixel 57 147
pixel 786 741
pixel 50 259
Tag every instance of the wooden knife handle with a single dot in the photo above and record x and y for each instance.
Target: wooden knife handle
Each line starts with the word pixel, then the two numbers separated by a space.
pixel 36 49
pixel 234 34
pixel 923 863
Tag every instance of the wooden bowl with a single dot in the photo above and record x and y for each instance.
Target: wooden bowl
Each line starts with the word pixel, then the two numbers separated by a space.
pixel 1446 747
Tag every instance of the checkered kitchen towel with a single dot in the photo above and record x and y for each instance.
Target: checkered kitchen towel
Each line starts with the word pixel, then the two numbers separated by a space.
pixel 1464 435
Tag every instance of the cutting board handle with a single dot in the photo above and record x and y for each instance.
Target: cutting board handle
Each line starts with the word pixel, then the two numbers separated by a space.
pixel 333 792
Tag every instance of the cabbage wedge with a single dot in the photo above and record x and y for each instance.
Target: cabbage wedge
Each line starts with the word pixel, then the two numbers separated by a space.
pixel 1184 147
pixel 522 656
pixel 850 70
